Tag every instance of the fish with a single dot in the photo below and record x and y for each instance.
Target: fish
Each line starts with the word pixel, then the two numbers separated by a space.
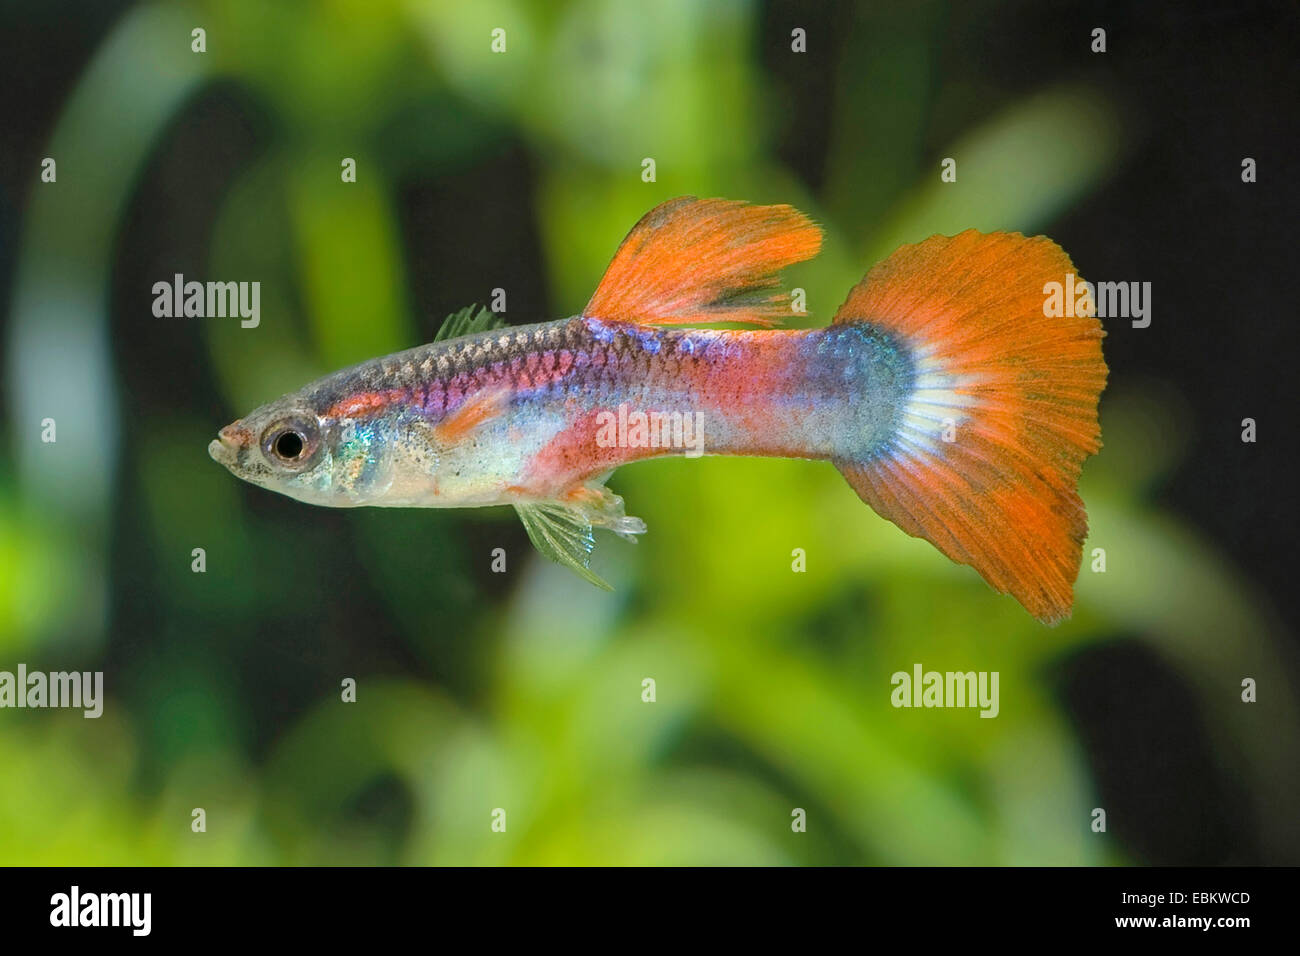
pixel 942 391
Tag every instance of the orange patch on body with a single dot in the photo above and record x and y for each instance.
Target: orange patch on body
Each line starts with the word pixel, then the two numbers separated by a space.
pixel 483 407
pixel 364 403
pixel 582 493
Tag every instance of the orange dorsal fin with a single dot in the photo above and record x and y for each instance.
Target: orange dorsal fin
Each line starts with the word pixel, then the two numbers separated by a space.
pixel 1001 414
pixel 695 261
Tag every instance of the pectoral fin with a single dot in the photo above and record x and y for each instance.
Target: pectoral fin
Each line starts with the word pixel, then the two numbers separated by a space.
pixel 562 530
pixel 468 320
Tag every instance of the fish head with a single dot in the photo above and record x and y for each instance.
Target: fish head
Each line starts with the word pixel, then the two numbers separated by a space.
pixel 290 447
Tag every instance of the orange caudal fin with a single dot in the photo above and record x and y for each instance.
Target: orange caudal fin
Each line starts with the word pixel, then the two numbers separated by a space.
pixel 705 260
pixel 986 453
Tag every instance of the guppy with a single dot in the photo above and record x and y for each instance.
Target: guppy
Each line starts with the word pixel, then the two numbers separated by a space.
pixel 945 394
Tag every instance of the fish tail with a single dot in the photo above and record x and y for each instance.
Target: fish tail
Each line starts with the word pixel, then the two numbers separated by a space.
pixel 983 454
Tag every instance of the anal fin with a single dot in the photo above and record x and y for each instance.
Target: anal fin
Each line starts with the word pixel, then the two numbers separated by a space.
pixel 562 530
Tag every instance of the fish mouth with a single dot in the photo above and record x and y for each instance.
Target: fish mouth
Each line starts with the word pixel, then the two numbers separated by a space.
pixel 230 441
pixel 222 454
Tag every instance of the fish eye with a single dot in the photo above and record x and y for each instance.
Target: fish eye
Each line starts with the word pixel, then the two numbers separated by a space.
pixel 291 442
pixel 289 445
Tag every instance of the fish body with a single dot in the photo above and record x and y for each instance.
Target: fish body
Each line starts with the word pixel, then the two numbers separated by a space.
pixel 555 387
pixel 940 411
